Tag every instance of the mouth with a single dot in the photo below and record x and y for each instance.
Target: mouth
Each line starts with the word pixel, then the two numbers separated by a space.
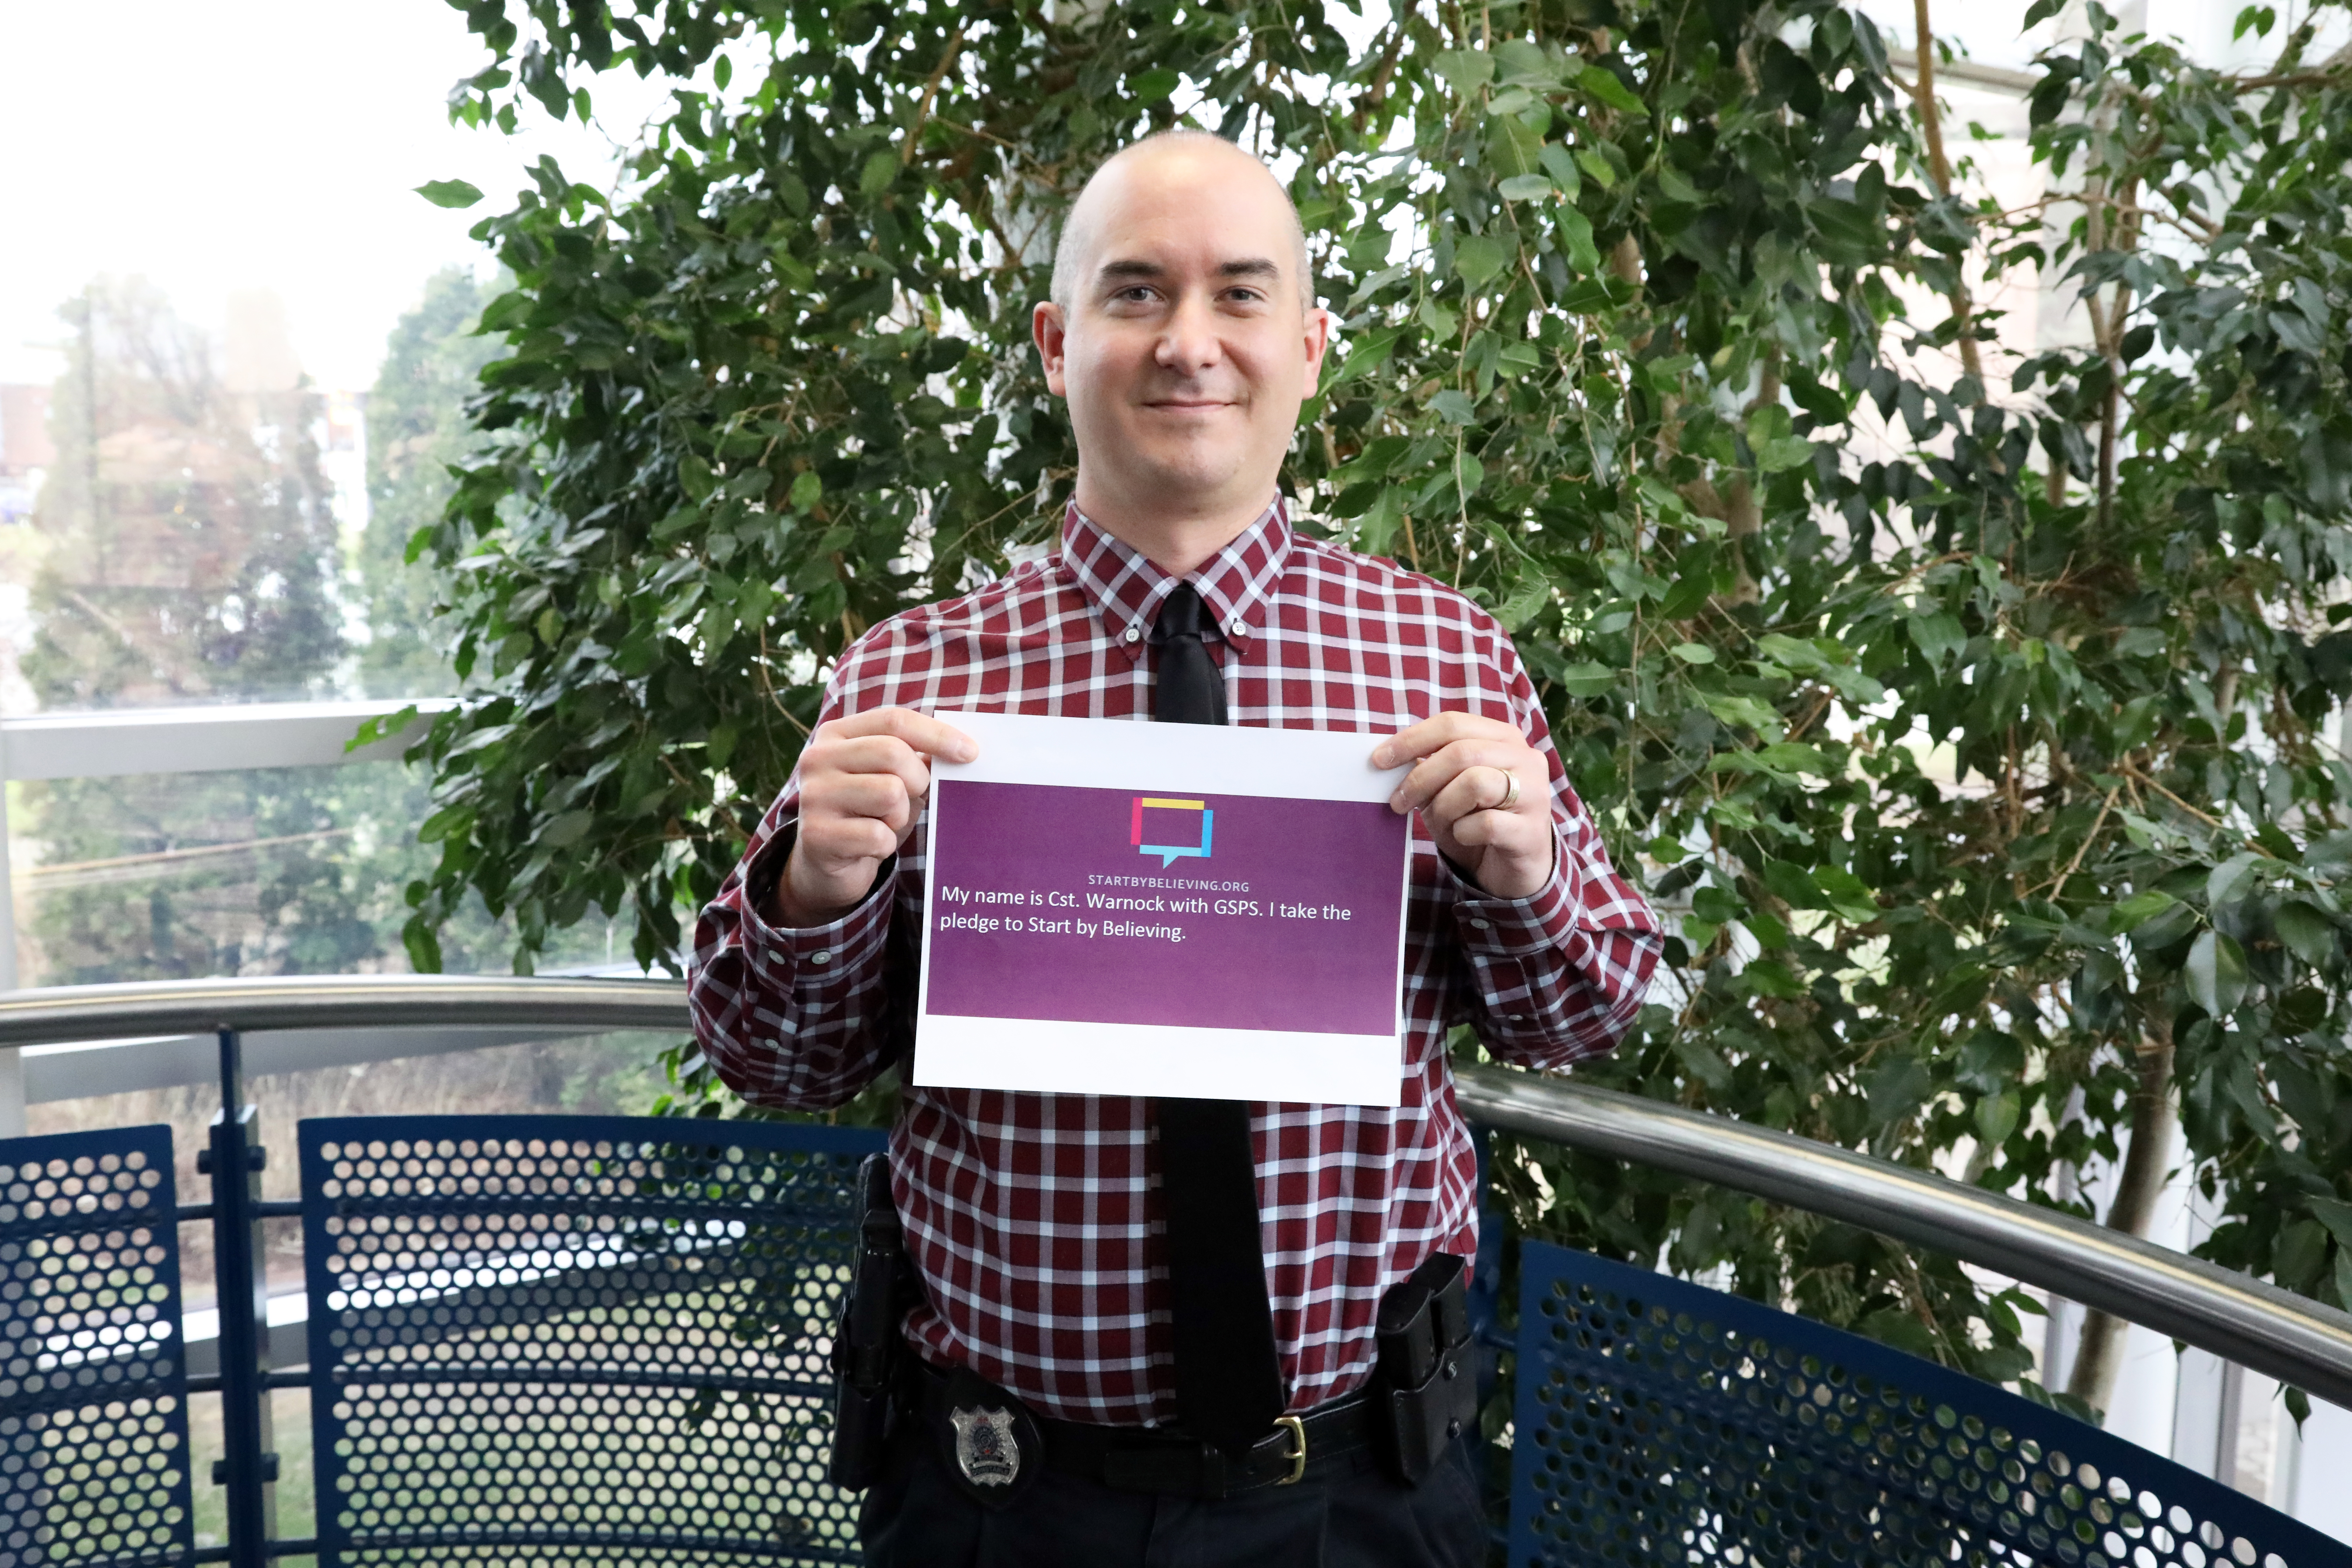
pixel 1188 405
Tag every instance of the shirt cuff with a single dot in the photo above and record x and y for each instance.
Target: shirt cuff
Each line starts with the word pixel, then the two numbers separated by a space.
pixel 817 954
pixel 1490 927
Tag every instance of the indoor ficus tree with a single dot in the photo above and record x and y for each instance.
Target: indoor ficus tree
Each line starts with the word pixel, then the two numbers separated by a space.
pixel 1968 718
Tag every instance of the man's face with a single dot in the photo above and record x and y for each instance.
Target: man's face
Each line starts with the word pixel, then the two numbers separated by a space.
pixel 1185 352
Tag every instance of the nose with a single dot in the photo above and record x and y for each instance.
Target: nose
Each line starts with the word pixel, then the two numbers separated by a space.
pixel 1189 344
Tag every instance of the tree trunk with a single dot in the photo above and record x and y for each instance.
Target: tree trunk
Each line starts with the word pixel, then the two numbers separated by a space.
pixel 2099 1353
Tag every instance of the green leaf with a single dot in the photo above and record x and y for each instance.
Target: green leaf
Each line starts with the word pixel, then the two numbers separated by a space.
pixel 2134 912
pixel 1367 356
pixel 2336 1215
pixel 1513 148
pixel 1576 233
pixel 1522 63
pixel 1466 69
pixel 450 193
pixel 1477 260
pixel 2231 880
pixel 1794 883
pixel 806 491
pixel 881 168
pixel 382 727
pixel 2216 973
pixel 1453 407
pixel 1897 1086
pixel 1526 602
pixel 1600 83
pixel 1587 680
pixel 567 828
pixel 1705 1062
pixel 1997 1117
pixel 1152 86
pixel 1525 187
pixel 1847 895
pixel 1377 525
pixel 1742 713
pixel 1938 636
pixel 1692 653
pixel 2309 935
pixel 1557 163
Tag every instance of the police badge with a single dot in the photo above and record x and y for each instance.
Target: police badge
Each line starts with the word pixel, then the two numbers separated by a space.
pixel 986 1451
pixel 993 1449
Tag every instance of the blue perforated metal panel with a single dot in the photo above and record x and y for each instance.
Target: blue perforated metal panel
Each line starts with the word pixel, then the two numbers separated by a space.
pixel 93 1385
pixel 555 1339
pixel 1660 1422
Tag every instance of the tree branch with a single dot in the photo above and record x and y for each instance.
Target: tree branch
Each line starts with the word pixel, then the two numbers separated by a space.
pixel 930 89
pixel 1940 169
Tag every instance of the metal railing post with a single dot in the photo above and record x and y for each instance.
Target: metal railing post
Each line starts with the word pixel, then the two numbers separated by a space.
pixel 242 1268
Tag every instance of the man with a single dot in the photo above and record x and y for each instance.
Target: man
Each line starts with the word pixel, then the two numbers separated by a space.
pixel 1183 335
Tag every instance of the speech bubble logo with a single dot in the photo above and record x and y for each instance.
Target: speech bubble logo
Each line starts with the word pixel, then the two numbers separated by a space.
pixel 1171 853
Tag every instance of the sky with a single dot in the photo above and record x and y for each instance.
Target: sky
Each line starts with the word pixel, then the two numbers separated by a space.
pixel 248 145
pixel 275 146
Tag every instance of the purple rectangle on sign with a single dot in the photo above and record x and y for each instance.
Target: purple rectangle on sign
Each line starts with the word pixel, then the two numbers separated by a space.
pixel 1102 906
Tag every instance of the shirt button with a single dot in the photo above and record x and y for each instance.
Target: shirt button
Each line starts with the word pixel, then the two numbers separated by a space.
pixel 1237 626
pixel 1480 925
pixel 822 956
pixel 1135 634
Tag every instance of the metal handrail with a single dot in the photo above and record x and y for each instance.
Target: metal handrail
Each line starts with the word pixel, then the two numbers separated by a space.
pixel 2235 1316
pixel 58 1014
pixel 2240 1319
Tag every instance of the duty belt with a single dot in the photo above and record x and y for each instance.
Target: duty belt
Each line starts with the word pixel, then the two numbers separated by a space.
pixel 1328 1439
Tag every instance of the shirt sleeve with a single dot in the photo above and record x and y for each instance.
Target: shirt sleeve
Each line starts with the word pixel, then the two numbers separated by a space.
pixel 1559 975
pixel 800 1018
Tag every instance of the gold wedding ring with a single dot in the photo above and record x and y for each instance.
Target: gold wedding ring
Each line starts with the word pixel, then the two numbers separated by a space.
pixel 1511 795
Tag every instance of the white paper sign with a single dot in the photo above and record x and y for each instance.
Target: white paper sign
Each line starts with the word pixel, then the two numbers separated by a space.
pixel 1175 910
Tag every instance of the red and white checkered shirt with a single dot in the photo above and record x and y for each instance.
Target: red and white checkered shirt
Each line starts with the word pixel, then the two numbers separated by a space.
pixel 1034 1219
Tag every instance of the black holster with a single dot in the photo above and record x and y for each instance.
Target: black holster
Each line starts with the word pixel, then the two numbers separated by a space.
pixel 866 1341
pixel 1426 1383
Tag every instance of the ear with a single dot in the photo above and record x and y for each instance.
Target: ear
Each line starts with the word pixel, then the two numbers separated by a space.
pixel 1050 332
pixel 1319 338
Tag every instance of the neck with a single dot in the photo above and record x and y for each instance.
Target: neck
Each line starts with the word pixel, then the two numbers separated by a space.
pixel 1176 539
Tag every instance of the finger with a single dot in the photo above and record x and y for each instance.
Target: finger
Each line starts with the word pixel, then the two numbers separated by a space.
pixel 920 732
pixel 883 798
pixel 1432 773
pixel 1474 792
pixel 1507 831
pixel 1431 734
pixel 841 841
pixel 876 755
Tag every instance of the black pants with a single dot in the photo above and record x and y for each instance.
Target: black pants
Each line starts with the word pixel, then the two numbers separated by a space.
pixel 1359 1518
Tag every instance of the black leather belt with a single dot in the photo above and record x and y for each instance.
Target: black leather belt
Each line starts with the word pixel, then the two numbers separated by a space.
pixel 1331 1438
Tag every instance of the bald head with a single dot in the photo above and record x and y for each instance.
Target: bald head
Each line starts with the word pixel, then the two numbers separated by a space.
pixel 1184 336
pixel 1185 155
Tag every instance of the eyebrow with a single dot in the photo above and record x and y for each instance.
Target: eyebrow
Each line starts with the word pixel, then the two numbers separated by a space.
pixel 1250 267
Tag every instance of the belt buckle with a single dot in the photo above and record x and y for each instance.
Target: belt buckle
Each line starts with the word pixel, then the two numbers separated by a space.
pixel 1297 1430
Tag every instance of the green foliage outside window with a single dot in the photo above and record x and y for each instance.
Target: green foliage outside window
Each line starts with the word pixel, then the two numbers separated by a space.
pixel 187 553
pixel 1971 722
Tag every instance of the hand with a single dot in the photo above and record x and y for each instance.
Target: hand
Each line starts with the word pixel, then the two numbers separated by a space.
pixel 1463 769
pixel 863 779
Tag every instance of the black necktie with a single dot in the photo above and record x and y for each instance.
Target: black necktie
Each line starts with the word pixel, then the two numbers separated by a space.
pixel 1228 1378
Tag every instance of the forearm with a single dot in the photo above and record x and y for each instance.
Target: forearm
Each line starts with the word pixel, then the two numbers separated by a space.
pixel 1558 976
pixel 786 1015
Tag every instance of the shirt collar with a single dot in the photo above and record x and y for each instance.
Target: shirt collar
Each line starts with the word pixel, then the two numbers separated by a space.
pixel 1127 588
